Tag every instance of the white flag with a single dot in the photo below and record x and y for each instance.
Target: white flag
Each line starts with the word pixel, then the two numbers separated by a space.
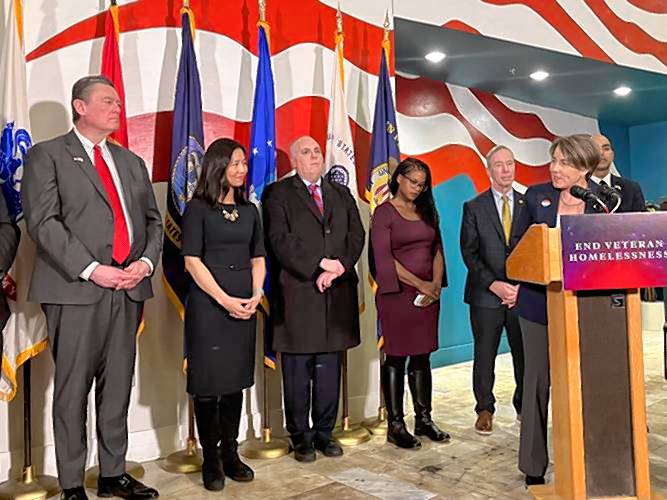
pixel 24 335
pixel 339 160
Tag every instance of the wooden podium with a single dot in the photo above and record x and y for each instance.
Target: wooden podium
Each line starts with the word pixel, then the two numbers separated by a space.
pixel 597 380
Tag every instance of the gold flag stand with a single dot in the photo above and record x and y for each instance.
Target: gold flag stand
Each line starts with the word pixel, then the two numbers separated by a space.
pixel 266 446
pixel 377 426
pixel 28 486
pixel 347 434
pixel 188 460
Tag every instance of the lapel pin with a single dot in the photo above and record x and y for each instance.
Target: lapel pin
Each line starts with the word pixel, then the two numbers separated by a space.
pixel 546 202
pixel 520 201
pixel 78 158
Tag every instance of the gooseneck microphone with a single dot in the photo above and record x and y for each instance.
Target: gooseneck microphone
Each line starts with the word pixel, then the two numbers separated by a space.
pixel 611 195
pixel 588 195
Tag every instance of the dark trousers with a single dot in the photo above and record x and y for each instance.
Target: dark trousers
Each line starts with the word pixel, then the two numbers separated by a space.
pixel 92 342
pixel 309 377
pixel 487 328
pixel 533 451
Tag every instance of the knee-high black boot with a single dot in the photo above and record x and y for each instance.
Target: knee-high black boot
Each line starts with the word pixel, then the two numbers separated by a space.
pixel 421 387
pixel 393 386
pixel 208 425
pixel 230 417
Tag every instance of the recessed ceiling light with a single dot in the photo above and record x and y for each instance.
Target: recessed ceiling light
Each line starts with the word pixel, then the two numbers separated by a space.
pixel 435 56
pixel 539 75
pixel 622 91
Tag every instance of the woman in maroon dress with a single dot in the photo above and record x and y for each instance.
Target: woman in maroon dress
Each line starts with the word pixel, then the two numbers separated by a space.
pixel 409 270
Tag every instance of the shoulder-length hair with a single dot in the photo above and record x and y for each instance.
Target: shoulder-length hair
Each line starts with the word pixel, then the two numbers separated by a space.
pixel 579 150
pixel 424 203
pixel 213 186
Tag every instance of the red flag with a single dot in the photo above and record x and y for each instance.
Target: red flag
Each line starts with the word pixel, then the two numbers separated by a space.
pixel 111 68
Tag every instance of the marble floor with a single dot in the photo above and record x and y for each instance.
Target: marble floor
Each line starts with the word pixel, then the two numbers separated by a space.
pixel 469 467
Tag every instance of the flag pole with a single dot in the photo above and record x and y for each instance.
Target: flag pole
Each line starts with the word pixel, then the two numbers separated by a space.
pixel 347 434
pixel 188 460
pixel 266 446
pixel 378 425
pixel 28 486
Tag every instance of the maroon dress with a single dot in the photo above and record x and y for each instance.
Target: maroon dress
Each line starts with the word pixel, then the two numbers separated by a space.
pixel 407 329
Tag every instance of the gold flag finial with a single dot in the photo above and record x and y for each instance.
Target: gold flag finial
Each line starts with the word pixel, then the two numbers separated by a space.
pixel 262 10
pixel 386 25
pixel 186 4
pixel 113 2
pixel 339 20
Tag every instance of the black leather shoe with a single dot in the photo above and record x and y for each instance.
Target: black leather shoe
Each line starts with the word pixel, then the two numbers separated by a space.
pixel 304 452
pixel 124 486
pixel 431 431
pixel 329 447
pixel 533 480
pixel 78 493
pixel 398 434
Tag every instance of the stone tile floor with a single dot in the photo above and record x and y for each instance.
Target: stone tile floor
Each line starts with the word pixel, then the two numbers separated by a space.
pixel 469 467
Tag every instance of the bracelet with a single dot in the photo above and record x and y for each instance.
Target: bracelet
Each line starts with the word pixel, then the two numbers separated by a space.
pixel 259 291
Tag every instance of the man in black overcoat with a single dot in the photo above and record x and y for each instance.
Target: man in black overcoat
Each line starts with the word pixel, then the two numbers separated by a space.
pixel 315 238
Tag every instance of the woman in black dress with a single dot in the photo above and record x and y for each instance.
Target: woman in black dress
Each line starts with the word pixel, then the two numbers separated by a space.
pixel 223 246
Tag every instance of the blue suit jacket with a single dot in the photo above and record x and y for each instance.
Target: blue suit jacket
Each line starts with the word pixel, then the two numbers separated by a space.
pixel 541 207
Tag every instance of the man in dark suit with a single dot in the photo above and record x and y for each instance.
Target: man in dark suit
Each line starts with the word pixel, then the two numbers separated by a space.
pixel 632 198
pixel 486 232
pixel 9 243
pixel 90 208
pixel 315 238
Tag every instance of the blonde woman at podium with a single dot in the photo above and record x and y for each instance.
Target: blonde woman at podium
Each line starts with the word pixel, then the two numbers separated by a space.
pixel 573 160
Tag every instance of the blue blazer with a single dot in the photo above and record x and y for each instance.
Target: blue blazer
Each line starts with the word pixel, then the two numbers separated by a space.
pixel 541 207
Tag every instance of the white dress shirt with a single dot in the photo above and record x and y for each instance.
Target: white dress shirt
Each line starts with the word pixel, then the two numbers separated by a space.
pixel 89 148
pixel 498 198
pixel 606 178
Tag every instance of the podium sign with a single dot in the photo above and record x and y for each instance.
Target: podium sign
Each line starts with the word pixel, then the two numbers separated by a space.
pixel 612 252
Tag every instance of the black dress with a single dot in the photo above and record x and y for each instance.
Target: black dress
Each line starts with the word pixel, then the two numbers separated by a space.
pixel 220 349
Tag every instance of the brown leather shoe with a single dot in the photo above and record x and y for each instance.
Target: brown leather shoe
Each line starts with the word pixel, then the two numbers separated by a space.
pixel 484 424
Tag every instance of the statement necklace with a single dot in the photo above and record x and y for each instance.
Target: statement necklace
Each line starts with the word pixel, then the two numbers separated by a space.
pixel 232 216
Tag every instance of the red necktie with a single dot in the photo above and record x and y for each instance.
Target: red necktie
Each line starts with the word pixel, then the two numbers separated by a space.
pixel 315 195
pixel 121 238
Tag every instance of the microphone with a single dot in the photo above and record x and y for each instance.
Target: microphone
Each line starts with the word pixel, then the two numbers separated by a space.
pixel 611 194
pixel 588 195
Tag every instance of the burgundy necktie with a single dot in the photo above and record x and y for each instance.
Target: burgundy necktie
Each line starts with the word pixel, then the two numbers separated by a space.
pixel 315 195
pixel 121 237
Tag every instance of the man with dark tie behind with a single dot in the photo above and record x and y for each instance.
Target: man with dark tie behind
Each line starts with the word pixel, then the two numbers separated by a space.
pixel 486 232
pixel 632 198
pixel 90 208
pixel 315 238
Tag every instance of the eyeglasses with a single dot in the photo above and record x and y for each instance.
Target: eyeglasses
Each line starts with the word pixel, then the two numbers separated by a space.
pixel 416 184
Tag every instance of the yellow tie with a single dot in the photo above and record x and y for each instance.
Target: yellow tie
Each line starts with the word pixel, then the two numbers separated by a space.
pixel 507 218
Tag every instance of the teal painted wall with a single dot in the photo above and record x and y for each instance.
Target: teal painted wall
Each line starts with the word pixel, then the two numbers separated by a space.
pixel 641 155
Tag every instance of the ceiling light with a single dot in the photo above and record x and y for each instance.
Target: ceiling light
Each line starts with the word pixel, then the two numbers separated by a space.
pixel 539 75
pixel 622 91
pixel 435 56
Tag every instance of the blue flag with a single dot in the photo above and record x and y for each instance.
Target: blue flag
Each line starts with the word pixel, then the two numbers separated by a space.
pixel 384 155
pixel 262 158
pixel 187 151
pixel 384 152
